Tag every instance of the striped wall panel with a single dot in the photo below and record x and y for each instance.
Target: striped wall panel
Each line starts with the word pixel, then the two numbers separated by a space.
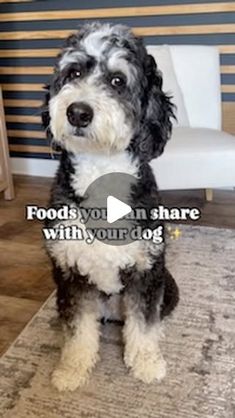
pixel 32 32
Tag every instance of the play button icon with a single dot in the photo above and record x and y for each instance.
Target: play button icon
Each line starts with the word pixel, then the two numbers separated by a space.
pixel 116 209
pixel 107 201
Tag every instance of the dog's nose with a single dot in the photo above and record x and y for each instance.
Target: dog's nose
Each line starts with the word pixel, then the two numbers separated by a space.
pixel 79 114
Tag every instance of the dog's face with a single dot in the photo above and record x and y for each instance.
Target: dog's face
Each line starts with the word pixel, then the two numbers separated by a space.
pixel 106 95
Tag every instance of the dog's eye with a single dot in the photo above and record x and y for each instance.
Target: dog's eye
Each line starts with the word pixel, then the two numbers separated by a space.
pixel 117 81
pixel 73 74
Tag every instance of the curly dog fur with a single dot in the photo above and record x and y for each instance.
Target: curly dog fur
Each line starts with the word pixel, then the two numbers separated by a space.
pixel 106 111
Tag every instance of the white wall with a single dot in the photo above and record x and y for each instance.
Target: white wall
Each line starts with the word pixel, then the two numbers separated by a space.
pixel 34 166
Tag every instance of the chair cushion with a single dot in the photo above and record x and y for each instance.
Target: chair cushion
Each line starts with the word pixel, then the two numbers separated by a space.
pixel 197 70
pixel 171 86
pixel 196 158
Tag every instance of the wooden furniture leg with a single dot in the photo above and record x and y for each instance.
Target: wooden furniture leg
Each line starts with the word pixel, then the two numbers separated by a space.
pixel 209 195
pixel 6 182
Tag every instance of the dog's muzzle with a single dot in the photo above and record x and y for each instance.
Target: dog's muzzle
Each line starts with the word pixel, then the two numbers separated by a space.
pixel 79 114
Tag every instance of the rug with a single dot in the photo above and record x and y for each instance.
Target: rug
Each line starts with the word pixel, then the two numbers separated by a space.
pixel 199 347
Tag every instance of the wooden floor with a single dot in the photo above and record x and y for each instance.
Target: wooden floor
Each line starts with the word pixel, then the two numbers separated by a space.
pixel 25 278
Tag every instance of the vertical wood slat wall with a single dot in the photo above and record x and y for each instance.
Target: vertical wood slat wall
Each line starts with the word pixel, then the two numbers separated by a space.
pixel 33 31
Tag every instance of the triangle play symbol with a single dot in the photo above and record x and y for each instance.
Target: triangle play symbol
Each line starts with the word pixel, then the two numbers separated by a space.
pixel 116 209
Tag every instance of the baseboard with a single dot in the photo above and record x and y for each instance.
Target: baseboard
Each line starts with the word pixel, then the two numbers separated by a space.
pixel 47 168
pixel 34 167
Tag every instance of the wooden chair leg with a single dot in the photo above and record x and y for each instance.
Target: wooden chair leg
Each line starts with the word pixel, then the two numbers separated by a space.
pixel 6 181
pixel 9 193
pixel 209 195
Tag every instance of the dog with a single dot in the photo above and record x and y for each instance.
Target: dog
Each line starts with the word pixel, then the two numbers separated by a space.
pixel 107 112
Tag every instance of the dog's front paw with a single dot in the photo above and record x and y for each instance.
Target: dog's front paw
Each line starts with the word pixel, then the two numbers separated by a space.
pixel 146 365
pixel 74 368
pixel 68 378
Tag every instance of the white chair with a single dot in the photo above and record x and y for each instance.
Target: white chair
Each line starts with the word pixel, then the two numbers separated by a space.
pixel 199 154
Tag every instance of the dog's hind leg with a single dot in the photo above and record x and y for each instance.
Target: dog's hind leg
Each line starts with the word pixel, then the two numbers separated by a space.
pixel 79 311
pixel 143 298
pixel 171 295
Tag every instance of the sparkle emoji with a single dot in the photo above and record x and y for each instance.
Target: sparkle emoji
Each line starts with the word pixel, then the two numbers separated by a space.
pixel 174 233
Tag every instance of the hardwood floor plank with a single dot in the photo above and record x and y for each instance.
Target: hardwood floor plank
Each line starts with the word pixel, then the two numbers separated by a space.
pixel 20 254
pixel 218 213
pixel 26 282
pixel 14 315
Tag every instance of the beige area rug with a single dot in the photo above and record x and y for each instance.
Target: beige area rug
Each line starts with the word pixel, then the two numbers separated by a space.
pixel 199 348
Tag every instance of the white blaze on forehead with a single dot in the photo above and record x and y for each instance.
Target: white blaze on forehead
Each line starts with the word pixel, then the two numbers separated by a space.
pixel 96 42
pixel 70 57
pixel 117 62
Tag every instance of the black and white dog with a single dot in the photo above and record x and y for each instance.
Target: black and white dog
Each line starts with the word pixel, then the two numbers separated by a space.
pixel 106 110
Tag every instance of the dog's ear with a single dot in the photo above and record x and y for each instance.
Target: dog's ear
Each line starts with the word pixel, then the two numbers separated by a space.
pixel 72 40
pixel 159 112
pixel 45 111
pixel 45 115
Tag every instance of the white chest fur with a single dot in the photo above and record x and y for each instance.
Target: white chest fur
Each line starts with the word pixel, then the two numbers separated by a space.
pixel 99 261
pixel 89 167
